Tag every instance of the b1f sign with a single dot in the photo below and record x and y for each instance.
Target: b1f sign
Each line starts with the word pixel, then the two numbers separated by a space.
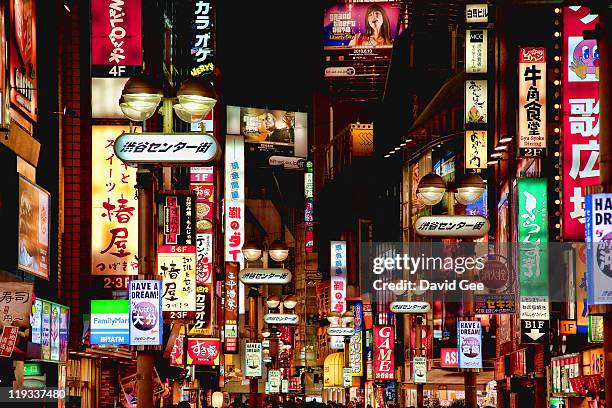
pixel 469 344
pixel 145 313
pixel 598 237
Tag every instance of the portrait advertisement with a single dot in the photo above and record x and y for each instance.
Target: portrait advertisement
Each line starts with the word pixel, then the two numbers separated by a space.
pixel 33 231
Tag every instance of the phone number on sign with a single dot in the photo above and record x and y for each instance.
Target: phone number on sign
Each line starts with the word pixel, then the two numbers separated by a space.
pixel 8 394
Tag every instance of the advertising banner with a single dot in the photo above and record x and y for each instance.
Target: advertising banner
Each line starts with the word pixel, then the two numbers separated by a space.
pixel 204 311
pixel 448 357
pixel 598 240
pixel 114 212
pixel 23 66
pixel 476 149
pixel 356 343
pixel 476 101
pixel 476 51
pixel 419 366
pixel 178 221
pixel 476 13
pixel 34 223
pixel 204 258
pixel 234 198
pixel 109 322
pixel 269 132
pixel 36 321
pixel 52 330
pixel 176 265
pixel 581 288
pixel 338 276
pixel 253 359
pixel 45 342
pixel 203 351
pixel 469 344
pixel 55 323
pixel 63 333
pixel 384 339
pixel 595 329
pixel 532 101
pixel 145 313
pixel 116 38
pixel 580 116
pixel 274 380
pixel 231 307
pixel 360 31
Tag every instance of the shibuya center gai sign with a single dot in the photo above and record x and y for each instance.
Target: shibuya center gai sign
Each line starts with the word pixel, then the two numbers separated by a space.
pixel 166 149
pixel 255 276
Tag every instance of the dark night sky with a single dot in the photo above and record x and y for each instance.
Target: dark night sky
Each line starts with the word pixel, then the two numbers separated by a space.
pixel 270 51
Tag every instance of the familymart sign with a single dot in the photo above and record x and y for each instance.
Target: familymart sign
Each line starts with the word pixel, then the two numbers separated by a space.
pixel 110 322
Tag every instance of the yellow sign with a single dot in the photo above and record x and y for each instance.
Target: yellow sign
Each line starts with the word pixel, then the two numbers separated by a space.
pixel 593 361
pixel 362 139
pixel 567 327
pixel 476 149
pixel 114 207
pixel 176 264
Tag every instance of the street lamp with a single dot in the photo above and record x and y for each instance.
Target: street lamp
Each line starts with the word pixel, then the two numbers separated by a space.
pixel 470 189
pixel 431 189
pixel 278 251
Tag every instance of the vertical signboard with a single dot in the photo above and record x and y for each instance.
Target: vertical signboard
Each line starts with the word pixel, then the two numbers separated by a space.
pixel 176 265
pixel 234 198
pixel 5 115
pixel 274 380
pixel 145 312
pixel 476 101
pixel 338 276
pixel 33 229
pixel 23 66
pixel 476 149
pixel 356 342
pixel 476 51
pixel 308 207
pixel 116 38
pixel 231 307
pixel 110 322
pixel 178 221
pixel 532 101
pixel 203 44
pixel 598 239
pixel 114 212
pixel 581 288
pixel 384 339
pixel 253 359
pixel 419 368
pixel 580 90
pixel 469 344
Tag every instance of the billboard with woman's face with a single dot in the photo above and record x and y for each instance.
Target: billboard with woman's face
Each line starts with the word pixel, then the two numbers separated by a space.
pixel 33 230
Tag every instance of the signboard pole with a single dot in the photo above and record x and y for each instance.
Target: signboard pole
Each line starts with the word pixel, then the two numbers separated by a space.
pixel 469 374
pixel 253 382
pixel 418 338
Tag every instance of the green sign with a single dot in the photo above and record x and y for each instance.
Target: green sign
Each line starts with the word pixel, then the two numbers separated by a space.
pixel 595 329
pixel 533 236
pixel 31 369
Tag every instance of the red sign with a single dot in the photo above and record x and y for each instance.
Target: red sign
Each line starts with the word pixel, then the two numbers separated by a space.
pixel 203 191
pixel 116 39
pixel 202 174
pixel 448 357
pixel 384 338
pixel 8 340
pixel 203 351
pixel 23 57
pixel 580 116
pixel 177 353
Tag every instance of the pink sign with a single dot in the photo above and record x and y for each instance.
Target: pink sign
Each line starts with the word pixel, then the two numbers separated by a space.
pixel 580 117
pixel 384 339
pixel 8 340
pixel 203 351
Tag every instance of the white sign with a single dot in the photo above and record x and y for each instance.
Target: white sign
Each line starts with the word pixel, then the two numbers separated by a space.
pixel 338 276
pixel 336 342
pixel 340 331
pixel 339 72
pixel 534 308
pixel 166 149
pixel 469 344
pixel 598 232
pixel 234 198
pixel 409 307
pixel 253 359
pixel 145 313
pixel 452 226
pixel 347 377
pixel 476 101
pixel 272 276
pixel 476 13
pixel 419 367
pixel 476 51
pixel 309 185
pixel 293 163
pixel 278 318
pixel 274 379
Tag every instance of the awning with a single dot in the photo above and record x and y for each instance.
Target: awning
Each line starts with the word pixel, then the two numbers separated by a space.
pixel 332 370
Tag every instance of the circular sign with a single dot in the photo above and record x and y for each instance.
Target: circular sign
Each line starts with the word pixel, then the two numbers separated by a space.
pixel 144 316
pixel 495 274
pixel 470 347
pixel 261 276
pixel 409 307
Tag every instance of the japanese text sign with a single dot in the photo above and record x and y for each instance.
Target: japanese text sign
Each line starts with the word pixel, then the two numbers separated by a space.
pixel 476 101
pixel 234 198
pixel 598 231
pixel 476 149
pixel 384 360
pixel 116 38
pixel 476 51
pixel 176 265
pixel 338 276
pixel 356 342
pixel 178 218
pixel 114 230
pixel 8 340
pixel 16 304
pixel 451 226
pixel 231 307
pixel 145 312
pixel 580 115
pixel 532 101
pixel 23 66
pixel 477 13
pixel 469 344
pixel 203 44
pixel 203 351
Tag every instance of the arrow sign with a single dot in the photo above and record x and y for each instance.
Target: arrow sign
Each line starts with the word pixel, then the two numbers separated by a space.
pixel 534 331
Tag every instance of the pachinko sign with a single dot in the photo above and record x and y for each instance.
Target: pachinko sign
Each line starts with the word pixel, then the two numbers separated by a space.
pixel 580 116
pixel 384 338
